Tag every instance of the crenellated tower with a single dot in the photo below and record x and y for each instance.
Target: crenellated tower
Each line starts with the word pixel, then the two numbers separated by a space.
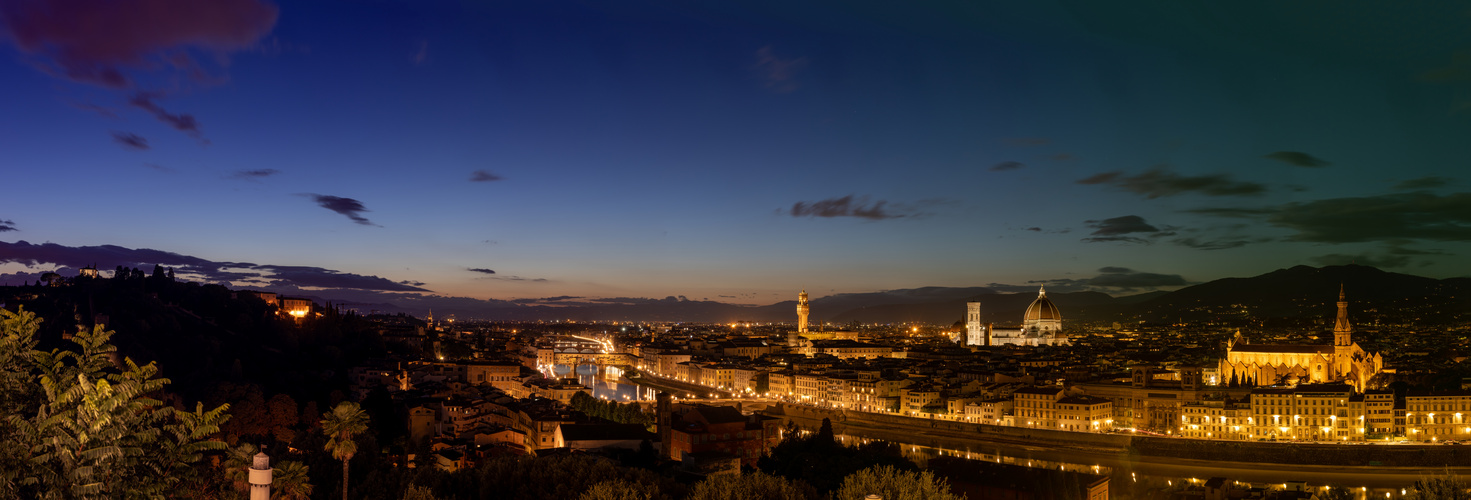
pixel 802 310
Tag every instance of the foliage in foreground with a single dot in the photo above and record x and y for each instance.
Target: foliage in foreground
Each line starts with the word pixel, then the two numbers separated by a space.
pixel 81 424
pixel 895 484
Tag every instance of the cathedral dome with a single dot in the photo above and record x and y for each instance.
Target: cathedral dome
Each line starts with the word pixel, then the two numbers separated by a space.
pixel 1042 309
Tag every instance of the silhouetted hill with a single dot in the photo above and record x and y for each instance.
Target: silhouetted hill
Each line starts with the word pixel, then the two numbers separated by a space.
pixel 1304 291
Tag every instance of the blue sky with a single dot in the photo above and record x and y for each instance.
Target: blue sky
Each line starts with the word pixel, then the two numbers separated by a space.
pixel 739 152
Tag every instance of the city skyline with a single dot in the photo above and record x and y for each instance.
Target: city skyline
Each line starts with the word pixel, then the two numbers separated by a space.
pixel 733 153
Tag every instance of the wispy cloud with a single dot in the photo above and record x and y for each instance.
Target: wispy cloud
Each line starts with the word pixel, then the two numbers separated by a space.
pixel 130 140
pixel 481 270
pixel 1430 182
pixel 250 175
pixel 846 206
pixel 7 225
pixel 182 122
pixel 1162 181
pixel 349 207
pixel 484 176
pixel 422 54
pixel 1410 216
pixel 1006 165
pixel 779 74
pixel 1297 159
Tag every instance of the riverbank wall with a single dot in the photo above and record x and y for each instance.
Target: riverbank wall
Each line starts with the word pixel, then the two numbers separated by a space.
pixel 1136 447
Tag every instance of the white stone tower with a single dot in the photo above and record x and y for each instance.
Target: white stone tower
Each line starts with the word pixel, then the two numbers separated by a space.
pixel 260 477
pixel 974 330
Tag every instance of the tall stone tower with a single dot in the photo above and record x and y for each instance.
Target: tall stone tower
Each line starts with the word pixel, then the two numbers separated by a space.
pixel 802 310
pixel 260 477
pixel 1343 341
pixel 974 334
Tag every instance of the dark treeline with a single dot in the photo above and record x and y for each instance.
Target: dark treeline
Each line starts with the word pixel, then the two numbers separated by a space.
pixel 623 413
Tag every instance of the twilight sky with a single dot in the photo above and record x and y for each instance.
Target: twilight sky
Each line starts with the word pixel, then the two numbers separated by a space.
pixel 734 151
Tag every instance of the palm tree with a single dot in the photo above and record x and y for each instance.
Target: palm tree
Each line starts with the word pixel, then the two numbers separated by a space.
pixel 341 425
pixel 290 481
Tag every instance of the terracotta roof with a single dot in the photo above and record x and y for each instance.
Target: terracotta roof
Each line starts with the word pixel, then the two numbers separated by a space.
pixel 1284 348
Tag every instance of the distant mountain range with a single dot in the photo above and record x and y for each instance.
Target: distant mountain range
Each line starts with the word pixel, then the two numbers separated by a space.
pixel 1299 292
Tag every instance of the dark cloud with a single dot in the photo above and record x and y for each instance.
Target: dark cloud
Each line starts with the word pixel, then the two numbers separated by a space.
pixel 412 283
pixel 1297 159
pixel 846 206
pixel 1006 165
pixel 1120 228
pixel 7 226
pixel 1400 216
pixel 1101 178
pixel 1026 142
pixel 1243 213
pixel 1379 261
pixel 349 207
pixel 130 140
pixel 96 41
pixel 1116 279
pixel 1035 229
pixel 182 122
pixel 1218 244
pixel 1161 181
pixel 1130 279
pixel 484 176
pixel 249 175
pixel 561 299
pixel 1120 225
pixel 778 74
pixel 481 270
pixel 515 278
pixel 1421 183
pixel 194 268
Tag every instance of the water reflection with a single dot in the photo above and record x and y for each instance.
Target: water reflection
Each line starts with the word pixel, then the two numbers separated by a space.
pixel 1134 479
pixel 605 385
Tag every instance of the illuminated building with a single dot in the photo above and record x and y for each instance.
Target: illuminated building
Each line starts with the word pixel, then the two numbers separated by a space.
pixel 1291 364
pixel 1041 325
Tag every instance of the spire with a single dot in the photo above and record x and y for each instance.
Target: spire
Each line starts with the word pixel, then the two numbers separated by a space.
pixel 1342 330
pixel 1042 291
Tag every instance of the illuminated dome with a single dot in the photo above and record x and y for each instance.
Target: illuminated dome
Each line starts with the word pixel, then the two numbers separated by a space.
pixel 1042 309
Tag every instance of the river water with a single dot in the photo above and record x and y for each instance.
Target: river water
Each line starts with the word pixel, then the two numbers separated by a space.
pixel 606 385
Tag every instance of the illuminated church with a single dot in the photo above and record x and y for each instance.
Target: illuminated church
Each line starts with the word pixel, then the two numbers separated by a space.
pixel 1041 325
pixel 1292 364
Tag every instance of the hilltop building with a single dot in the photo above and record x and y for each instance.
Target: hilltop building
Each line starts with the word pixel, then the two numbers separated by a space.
pixel 1041 325
pixel 1292 364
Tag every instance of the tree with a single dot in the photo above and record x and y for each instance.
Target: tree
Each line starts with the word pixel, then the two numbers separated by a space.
pixel 81 425
pixel 1448 486
pixel 341 425
pixel 419 493
pixel 290 481
pixel 617 489
pixel 743 486
pixel 894 484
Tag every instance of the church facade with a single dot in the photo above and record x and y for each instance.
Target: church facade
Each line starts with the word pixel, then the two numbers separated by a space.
pixel 1291 364
pixel 1041 325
